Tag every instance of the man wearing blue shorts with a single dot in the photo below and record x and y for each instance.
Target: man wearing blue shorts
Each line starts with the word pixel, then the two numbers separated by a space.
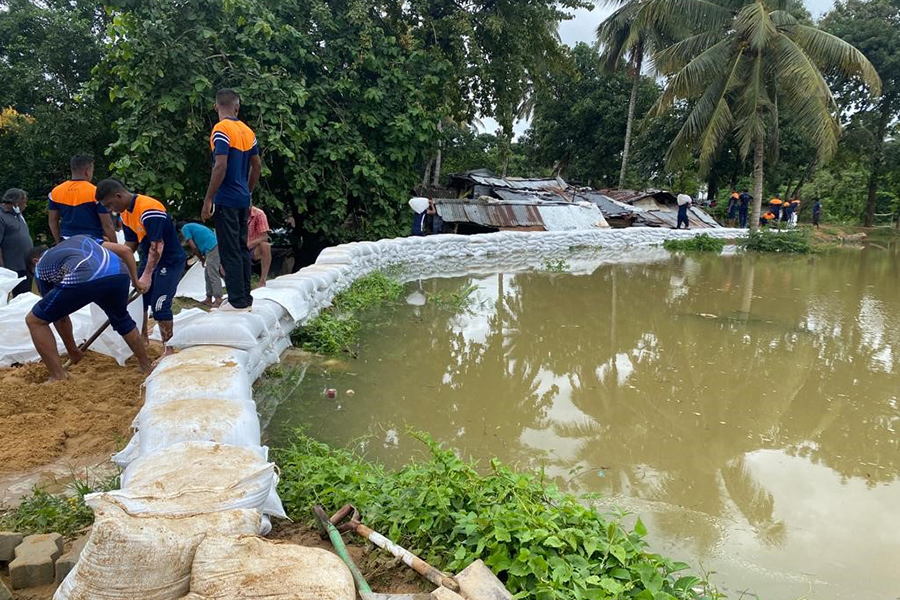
pixel 149 230
pixel 70 276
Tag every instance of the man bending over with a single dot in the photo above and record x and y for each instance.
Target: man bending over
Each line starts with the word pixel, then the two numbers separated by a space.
pixel 70 276
pixel 149 230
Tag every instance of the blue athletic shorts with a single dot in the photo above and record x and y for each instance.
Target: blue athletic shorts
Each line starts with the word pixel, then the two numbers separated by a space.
pixel 109 293
pixel 162 291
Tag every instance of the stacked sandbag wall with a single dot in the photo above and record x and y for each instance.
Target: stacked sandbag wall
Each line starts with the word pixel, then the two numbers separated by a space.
pixel 195 472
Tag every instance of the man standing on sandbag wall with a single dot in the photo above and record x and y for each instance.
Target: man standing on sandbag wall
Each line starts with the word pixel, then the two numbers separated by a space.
pixel 70 276
pixel 149 230
pixel 235 173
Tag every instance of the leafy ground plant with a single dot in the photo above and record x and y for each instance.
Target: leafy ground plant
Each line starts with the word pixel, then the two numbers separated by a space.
pixel 795 241
pixel 699 243
pixel 336 329
pixel 542 543
pixel 43 512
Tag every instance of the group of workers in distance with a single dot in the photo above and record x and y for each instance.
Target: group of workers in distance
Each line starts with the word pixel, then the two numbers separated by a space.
pixel 779 211
pixel 87 264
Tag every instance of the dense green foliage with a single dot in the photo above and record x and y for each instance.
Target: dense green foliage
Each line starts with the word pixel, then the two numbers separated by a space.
pixel 543 543
pixel 794 241
pixel 579 119
pixel 47 51
pixel 335 329
pixel 43 512
pixel 698 243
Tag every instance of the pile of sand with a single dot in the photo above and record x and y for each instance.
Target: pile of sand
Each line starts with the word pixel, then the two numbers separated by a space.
pixel 88 415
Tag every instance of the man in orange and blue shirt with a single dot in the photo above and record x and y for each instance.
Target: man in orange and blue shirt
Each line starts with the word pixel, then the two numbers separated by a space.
pixel 235 173
pixel 72 208
pixel 149 230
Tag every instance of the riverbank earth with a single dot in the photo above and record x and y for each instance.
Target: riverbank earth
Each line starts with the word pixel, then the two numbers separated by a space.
pixel 50 431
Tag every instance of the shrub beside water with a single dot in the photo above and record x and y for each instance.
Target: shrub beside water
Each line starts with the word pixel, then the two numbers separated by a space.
pixel 796 241
pixel 335 330
pixel 699 243
pixel 543 543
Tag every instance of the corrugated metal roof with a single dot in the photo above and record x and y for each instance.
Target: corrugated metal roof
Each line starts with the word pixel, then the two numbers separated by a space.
pixel 489 214
pixel 629 196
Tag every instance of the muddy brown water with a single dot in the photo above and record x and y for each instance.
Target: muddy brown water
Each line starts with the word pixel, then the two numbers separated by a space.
pixel 745 407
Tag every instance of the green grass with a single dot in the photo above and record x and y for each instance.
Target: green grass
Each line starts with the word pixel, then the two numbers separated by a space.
pixel 699 243
pixel 541 542
pixel 793 241
pixel 336 329
pixel 43 512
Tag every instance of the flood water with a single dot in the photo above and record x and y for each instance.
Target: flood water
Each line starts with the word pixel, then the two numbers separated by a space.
pixel 745 407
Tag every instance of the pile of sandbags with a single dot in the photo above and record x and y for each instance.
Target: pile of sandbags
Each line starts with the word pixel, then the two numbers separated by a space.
pixel 250 568
pixel 147 557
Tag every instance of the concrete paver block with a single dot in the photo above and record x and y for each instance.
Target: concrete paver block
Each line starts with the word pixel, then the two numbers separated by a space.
pixel 67 561
pixel 5 594
pixel 478 582
pixel 35 559
pixel 8 542
pixel 443 593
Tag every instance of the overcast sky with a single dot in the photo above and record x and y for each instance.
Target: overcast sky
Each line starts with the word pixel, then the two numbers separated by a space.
pixel 582 27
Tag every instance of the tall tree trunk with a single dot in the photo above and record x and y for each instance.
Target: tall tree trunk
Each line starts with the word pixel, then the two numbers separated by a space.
pixel 507 150
pixel 877 160
pixel 427 174
pixel 637 63
pixel 436 181
pixel 712 183
pixel 758 156
pixel 806 175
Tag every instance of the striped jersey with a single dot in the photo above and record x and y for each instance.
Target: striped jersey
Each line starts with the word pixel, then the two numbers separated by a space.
pixel 78 208
pixel 145 221
pixel 232 138
pixel 77 260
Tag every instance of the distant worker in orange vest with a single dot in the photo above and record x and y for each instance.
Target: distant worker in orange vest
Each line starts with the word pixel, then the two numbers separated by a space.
pixel 73 210
pixel 733 207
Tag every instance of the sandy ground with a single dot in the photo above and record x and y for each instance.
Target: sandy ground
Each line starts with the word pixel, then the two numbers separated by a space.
pixel 49 429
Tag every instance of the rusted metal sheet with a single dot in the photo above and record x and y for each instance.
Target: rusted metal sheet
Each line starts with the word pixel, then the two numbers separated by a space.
pixel 489 214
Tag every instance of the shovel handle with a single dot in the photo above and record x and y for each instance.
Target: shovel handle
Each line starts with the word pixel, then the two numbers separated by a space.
pixel 411 560
pixel 87 343
pixel 341 549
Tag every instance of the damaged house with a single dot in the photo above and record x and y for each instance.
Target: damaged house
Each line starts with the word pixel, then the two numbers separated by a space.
pixel 483 202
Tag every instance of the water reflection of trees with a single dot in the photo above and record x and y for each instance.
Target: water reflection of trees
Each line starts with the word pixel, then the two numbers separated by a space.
pixel 796 354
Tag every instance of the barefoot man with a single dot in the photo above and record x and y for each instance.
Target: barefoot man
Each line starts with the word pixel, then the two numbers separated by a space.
pixel 70 276
pixel 149 230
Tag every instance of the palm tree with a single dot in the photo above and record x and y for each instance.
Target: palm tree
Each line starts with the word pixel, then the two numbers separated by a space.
pixel 744 60
pixel 621 35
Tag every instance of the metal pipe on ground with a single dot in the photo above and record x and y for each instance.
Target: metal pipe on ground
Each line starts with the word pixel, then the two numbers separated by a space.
pixel 475 582
pixel 362 586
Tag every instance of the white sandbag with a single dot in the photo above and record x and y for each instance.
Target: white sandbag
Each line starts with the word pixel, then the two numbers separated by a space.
pixel 129 453
pixel 8 281
pixel 221 328
pixel 196 477
pixel 193 283
pixel 251 568
pixel 304 285
pixel 198 420
pixel 15 342
pixel 212 372
pixel 180 320
pixel 111 343
pixel 145 558
pixel 292 297
pixel 271 313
